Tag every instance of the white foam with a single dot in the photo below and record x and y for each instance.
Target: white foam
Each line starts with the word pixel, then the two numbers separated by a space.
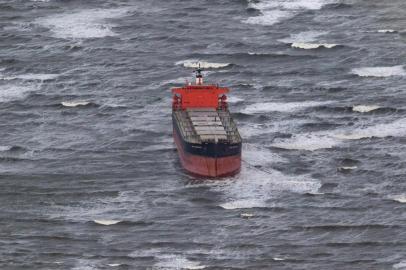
pixel 269 17
pixel 347 168
pixel 243 204
pixel 177 262
pixel 396 129
pixel 234 99
pixel 253 187
pixel 386 31
pixel 10 92
pixel 178 81
pixel 365 108
pixel 281 106
pixel 401 265
pixel 74 103
pixel 311 46
pixel 273 12
pixel 113 264
pixel 278 259
pixel 306 37
pixel 379 71
pixel 106 222
pixel 4 148
pixel 193 63
pixel 31 77
pixel 246 215
pixel 301 4
pixel 399 198
pixel 307 141
pixel 90 23
pixel 259 156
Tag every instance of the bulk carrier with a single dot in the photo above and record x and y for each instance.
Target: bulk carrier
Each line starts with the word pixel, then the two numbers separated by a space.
pixel 205 134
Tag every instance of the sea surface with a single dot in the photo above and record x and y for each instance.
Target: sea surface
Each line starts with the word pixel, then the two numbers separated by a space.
pixel 89 174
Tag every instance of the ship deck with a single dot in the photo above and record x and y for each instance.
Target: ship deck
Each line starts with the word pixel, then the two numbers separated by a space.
pixel 199 125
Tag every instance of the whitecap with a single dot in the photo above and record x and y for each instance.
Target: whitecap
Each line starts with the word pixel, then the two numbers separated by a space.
pixel 396 129
pixel 4 148
pixel 179 81
pixel 399 198
pixel 234 99
pixel 269 17
pixel 309 142
pixel 193 63
pixel 253 187
pixel 401 265
pixel 90 23
pixel 114 264
pixel 246 215
pixel 301 4
pixel 311 46
pixel 379 71
pixel 386 31
pixel 74 103
pixel 106 222
pixel 243 204
pixel 347 168
pixel 306 37
pixel 273 12
pixel 259 156
pixel 365 108
pixel 31 77
pixel 177 262
pixel 10 92
pixel 281 106
pixel 278 259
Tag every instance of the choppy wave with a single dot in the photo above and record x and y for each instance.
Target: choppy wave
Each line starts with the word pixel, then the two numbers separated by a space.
pixel 83 24
pixel 234 99
pixel 30 77
pixel 241 204
pixel 75 103
pixel 346 168
pixel 253 187
pixel 273 12
pixel 311 46
pixel 365 108
pixel 396 129
pixel 399 198
pixel 379 71
pixel 281 107
pixel 278 259
pixel 310 142
pixel 269 17
pixel 106 222
pixel 306 37
pixel 193 63
pixel 177 262
pixel 4 148
pixel 401 265
pixel 10 92
pixel 387 31
pixel 329 139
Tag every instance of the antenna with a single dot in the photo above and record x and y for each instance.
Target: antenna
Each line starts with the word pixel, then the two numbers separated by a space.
pixel 199 75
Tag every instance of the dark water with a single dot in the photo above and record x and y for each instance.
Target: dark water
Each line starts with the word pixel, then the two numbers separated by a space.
pixel 318 91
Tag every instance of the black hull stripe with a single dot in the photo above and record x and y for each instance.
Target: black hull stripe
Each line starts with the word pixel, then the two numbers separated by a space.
pixel 208 149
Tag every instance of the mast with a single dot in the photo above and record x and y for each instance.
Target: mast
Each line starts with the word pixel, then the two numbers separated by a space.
pixel 199 76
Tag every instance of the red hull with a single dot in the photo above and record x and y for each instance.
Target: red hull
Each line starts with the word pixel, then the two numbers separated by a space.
pixel 207 166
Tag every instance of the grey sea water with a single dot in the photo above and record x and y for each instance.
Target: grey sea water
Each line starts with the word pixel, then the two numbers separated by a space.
pixel 89 175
